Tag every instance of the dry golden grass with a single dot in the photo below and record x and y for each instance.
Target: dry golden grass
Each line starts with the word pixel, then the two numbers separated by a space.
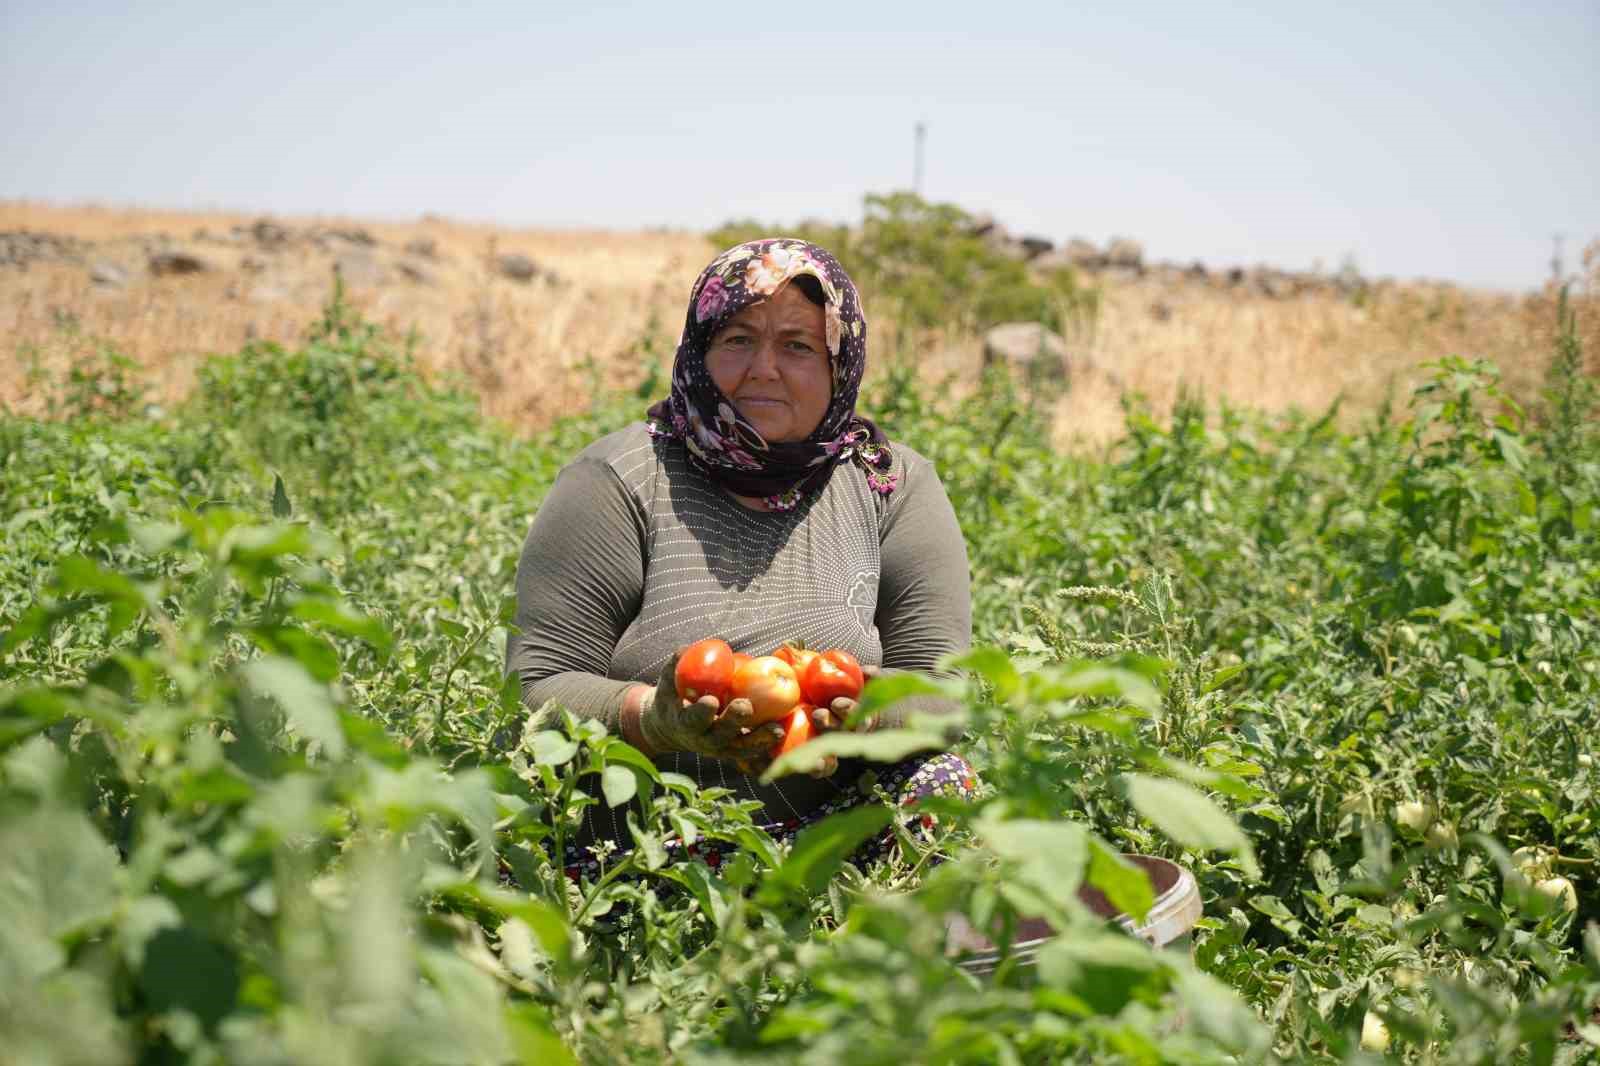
pixel 535 351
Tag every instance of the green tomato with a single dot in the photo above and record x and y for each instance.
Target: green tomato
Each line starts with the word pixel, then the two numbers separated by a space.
pixel 1374 1033
pixel 1414 815
pixel 1441 835
pixel 1560 889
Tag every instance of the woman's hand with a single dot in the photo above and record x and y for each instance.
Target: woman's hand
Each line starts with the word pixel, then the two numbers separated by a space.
pixel 667 723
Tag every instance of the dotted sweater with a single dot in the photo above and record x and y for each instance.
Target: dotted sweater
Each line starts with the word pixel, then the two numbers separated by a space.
pixel 634 554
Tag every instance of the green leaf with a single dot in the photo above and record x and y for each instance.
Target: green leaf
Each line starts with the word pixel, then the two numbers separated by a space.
pixel 1224 676
pixel 618 785
pixel 552 747
pixel 280 498
pixel 1105 970
pixel 344 619
pixel 820 849
pixel 1051 857
pixel 1125 885
pixel 60 877
pixel 307 704
pixel 887 745
pixel 1190 817
pixel 891 688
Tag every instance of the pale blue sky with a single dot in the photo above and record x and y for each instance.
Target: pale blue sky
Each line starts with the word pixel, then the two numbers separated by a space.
pixel 1441 140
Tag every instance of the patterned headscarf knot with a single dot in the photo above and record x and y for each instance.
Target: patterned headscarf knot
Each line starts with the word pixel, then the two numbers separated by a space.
pixel 720 442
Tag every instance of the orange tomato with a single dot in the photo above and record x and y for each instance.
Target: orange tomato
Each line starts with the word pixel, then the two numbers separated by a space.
pixel 832 675
pixel 770 686
pixel 797 657
pixel 797 729
pixel 705 669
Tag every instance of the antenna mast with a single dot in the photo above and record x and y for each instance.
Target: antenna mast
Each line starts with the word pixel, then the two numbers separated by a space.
pixel 916 166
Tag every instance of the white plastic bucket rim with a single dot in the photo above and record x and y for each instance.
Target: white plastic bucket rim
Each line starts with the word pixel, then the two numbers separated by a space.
pixel 1171 919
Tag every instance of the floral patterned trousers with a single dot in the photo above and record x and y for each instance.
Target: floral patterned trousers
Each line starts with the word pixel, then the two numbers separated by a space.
pixel 908 781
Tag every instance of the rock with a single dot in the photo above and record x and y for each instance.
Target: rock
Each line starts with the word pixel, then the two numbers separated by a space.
pixel 252 264
pixel 1036 246
pixel 414 271
pixel 1161 311
pixel 359 268
pixel 1122 252
pixel 21 247
pixel 351 235
pixel 269 234
pixel 1026 346
pixel 422 248
pixel 177 263
pixel 269 294
pixel 1272 284
pixel 981 225
pixel 517 267
pixel 1082 253
pixel 109 274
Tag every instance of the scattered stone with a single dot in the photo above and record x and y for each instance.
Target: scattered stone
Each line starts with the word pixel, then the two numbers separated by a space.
pixel 1026 346
pixel 1082 253
pixel 359 268
pixel 252 264
pixel 422 247
pixel 178 263
pixel 981 225
pixel 517 267
pixel 1161 311
pixel 416 272
pixel 1123 252
pixel 268 294
pixel 269 234
pixel 1036 246
pixel 108 274
pixel 351 235
pixel 21 247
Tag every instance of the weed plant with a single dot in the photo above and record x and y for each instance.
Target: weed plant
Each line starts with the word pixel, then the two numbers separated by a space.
pixel 265 798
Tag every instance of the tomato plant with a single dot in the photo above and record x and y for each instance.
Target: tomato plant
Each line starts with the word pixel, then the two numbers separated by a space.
pixel 265 794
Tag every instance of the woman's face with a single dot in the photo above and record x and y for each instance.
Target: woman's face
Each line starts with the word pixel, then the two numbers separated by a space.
pixel 771 361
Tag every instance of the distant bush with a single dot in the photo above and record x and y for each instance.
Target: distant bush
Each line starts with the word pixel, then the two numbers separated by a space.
pixel 926 266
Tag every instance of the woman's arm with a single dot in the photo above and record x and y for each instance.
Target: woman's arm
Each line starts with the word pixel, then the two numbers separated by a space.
pixel 924 585
pixel 579 584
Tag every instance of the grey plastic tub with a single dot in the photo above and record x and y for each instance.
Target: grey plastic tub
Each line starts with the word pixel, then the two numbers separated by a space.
pixel 1168 925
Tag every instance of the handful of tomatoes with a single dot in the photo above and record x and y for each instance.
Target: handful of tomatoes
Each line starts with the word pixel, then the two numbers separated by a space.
pixel 784 686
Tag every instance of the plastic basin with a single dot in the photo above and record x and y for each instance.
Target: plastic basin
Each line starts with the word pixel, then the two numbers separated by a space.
pixel 1168 925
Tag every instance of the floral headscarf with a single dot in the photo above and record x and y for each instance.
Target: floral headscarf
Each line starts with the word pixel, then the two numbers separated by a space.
pixel 720 442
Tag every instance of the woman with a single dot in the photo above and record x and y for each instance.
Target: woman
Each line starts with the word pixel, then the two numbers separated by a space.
pixel 754 505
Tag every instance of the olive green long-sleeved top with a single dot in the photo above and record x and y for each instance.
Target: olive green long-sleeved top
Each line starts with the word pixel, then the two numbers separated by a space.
pixel 634 554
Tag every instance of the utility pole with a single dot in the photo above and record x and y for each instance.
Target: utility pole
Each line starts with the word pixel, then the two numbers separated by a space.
pixel 916 166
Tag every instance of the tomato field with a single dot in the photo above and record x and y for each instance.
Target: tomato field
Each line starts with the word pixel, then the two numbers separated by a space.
pixel 264 798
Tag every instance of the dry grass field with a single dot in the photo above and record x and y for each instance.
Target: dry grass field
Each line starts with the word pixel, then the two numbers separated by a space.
pixel 603 305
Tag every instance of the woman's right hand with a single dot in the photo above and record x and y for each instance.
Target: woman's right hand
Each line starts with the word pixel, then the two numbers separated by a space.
pixel 668 723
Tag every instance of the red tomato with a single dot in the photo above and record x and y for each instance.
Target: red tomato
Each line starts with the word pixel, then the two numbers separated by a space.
pixel 770 686
pixel 796 656
pixel 705 669
pixel 797 729
pixel 832 675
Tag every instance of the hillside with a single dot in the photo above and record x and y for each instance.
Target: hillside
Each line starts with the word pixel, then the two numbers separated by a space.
pixel 541 321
